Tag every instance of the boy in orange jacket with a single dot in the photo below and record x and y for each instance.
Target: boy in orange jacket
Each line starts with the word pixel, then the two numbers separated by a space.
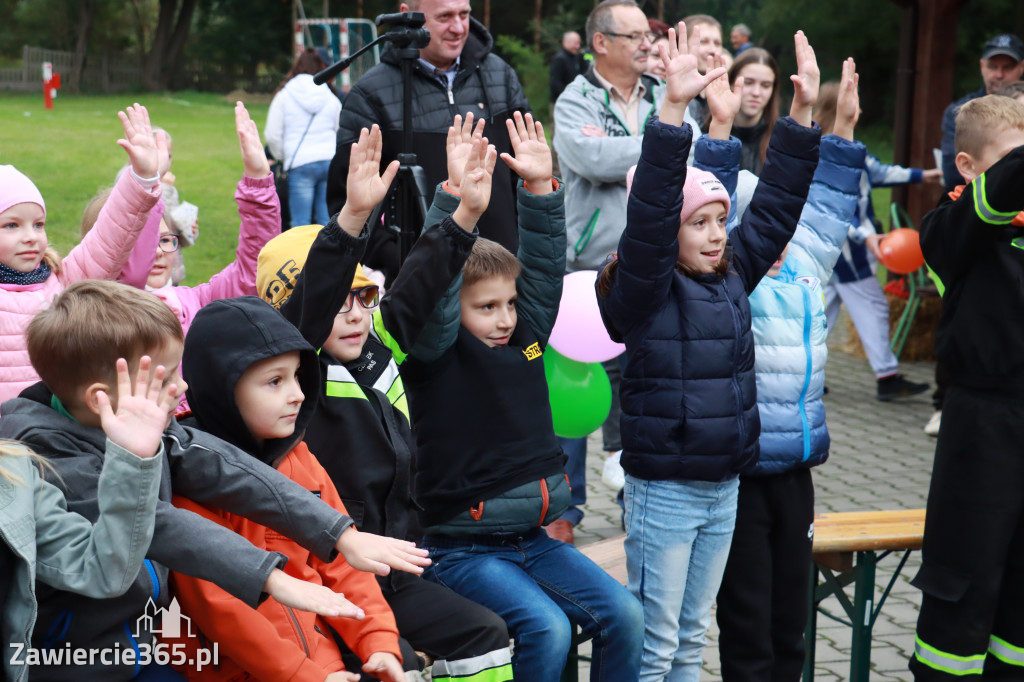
pixel 249 371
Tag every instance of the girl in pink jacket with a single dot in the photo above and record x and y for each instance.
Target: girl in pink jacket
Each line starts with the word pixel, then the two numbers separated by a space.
pixel 32 274
pixel 260 212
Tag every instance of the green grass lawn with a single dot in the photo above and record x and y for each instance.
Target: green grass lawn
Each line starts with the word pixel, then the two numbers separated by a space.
pixel 71 153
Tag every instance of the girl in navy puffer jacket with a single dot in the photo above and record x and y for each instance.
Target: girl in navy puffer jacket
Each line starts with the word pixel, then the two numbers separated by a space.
pixel 677 296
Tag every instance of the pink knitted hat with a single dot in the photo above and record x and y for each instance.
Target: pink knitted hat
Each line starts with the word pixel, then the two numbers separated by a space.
pixel 700 188
pixel 16 188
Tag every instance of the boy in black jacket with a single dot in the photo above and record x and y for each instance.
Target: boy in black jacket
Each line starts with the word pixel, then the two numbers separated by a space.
pixel 490 468
pixel 73 344
pixel 360 432
pixel 972 574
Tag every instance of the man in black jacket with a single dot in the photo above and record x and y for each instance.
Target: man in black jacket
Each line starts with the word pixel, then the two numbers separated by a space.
pixel 565 65
pixel 455 74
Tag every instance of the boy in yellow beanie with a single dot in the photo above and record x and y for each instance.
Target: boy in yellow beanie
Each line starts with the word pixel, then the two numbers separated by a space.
pixel 360 432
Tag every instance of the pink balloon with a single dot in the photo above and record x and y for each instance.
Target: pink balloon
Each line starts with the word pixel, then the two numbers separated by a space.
pixel 579 333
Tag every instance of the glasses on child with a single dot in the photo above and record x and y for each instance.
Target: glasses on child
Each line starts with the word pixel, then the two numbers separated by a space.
pixel 635 38
pixel 368 297
pixel 168 243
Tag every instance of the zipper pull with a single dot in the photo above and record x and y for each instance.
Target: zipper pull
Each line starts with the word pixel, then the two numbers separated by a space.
pixel 451 98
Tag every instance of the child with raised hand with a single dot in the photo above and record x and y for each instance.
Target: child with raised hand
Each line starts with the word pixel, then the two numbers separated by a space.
pixel 72 343
pixel 763 600
pixel 32 274
pixel 972 570
pixel 43 540
pixel 260 212
pixel 489 482
pixel 677 295
pixel 360 430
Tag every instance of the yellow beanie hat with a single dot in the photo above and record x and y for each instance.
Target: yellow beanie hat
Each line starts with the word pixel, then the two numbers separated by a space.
pixel 282 259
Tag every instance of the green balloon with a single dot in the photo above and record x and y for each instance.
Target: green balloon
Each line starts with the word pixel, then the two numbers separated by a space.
pixel 580 394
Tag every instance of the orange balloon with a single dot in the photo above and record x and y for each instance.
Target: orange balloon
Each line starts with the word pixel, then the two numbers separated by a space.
pixel 901 251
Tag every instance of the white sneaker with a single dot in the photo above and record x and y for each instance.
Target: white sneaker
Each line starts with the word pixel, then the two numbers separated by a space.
pixel 932 427
pixel 612 474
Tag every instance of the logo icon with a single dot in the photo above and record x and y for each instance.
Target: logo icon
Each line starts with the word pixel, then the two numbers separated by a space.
pixel 172 623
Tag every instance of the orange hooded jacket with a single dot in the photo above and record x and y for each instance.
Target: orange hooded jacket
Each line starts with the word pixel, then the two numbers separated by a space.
pixel 275 642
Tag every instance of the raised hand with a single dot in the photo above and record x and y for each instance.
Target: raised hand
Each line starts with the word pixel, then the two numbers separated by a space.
pixel 848 103
pixel 379 554
pixel 805 81
pixel 476 184
pixel 366 186
pixel 683 80
pixel 254 159
pixel 532 159
pixel 142 413
pixel 143 148
pixel 307 596
pixel 723 101
pixel 384 666
pixel 458 146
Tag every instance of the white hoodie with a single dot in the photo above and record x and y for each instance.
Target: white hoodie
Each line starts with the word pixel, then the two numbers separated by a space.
pixel 299 104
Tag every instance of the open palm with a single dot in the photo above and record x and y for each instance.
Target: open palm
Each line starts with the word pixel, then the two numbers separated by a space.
pixel 532 159
pixel 143 413
pixel 683 80
pixel 366 185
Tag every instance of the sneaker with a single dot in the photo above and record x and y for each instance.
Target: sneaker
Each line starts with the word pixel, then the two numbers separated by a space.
pixel 560 530
pixel 612 474
pixel 897 386
pixel 932 427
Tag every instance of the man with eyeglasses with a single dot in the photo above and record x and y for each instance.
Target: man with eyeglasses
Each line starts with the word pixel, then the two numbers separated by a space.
pixel 599 125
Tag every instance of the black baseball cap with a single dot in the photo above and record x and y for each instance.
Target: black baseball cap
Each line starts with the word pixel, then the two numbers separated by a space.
pixel 1007 44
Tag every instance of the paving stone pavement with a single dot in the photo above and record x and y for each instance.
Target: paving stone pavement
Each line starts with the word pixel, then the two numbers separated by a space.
pixel 880 459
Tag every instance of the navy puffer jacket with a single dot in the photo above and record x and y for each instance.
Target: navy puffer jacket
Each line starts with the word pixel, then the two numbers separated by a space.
pixel 688 393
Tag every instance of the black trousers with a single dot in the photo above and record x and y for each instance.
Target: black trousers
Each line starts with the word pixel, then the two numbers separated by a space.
pixel 763 601
pixel 433 619
pixel 972 573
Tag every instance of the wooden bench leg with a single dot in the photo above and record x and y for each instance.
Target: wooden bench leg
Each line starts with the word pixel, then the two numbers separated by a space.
pixel 862 617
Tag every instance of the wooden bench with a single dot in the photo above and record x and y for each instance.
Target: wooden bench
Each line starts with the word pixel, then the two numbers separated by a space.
pixel 871 536
pixel 847 547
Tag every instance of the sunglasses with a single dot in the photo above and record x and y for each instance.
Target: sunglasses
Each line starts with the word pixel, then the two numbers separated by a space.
pixel 368 297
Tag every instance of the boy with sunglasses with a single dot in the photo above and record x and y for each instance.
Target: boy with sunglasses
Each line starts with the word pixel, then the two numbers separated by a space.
pixel 360 432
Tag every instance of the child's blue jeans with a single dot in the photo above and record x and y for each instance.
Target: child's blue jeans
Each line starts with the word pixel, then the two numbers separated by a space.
pixel 677 542
pixel 540 586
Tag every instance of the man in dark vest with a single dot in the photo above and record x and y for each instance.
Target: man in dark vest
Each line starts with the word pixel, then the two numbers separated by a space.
pixel 455 74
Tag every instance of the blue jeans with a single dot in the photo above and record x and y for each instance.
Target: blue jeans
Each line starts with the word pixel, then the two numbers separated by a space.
pixel 576 470
pixel 677 542
pixel 307 193
pixel 540 587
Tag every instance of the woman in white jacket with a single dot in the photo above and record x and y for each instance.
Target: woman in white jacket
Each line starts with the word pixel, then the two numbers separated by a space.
pixel 301 132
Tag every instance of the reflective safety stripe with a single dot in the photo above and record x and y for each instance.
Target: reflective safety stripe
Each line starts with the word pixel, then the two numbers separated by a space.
pixel 1006 652
pixel 343 389
pixel 986 212
pixel 948 663
pixel 387 339
pixel 494 666
pixel 341 384
pixel 396 396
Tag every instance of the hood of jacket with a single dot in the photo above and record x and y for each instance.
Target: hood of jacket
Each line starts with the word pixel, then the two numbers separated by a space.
pixel 308 95
pixel 227 336
pixel 478 45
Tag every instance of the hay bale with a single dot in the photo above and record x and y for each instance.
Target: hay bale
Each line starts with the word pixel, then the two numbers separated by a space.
pixel 921 341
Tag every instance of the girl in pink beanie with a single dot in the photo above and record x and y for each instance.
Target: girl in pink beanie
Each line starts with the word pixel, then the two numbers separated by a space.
pixel 677 296
pixel 32 274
